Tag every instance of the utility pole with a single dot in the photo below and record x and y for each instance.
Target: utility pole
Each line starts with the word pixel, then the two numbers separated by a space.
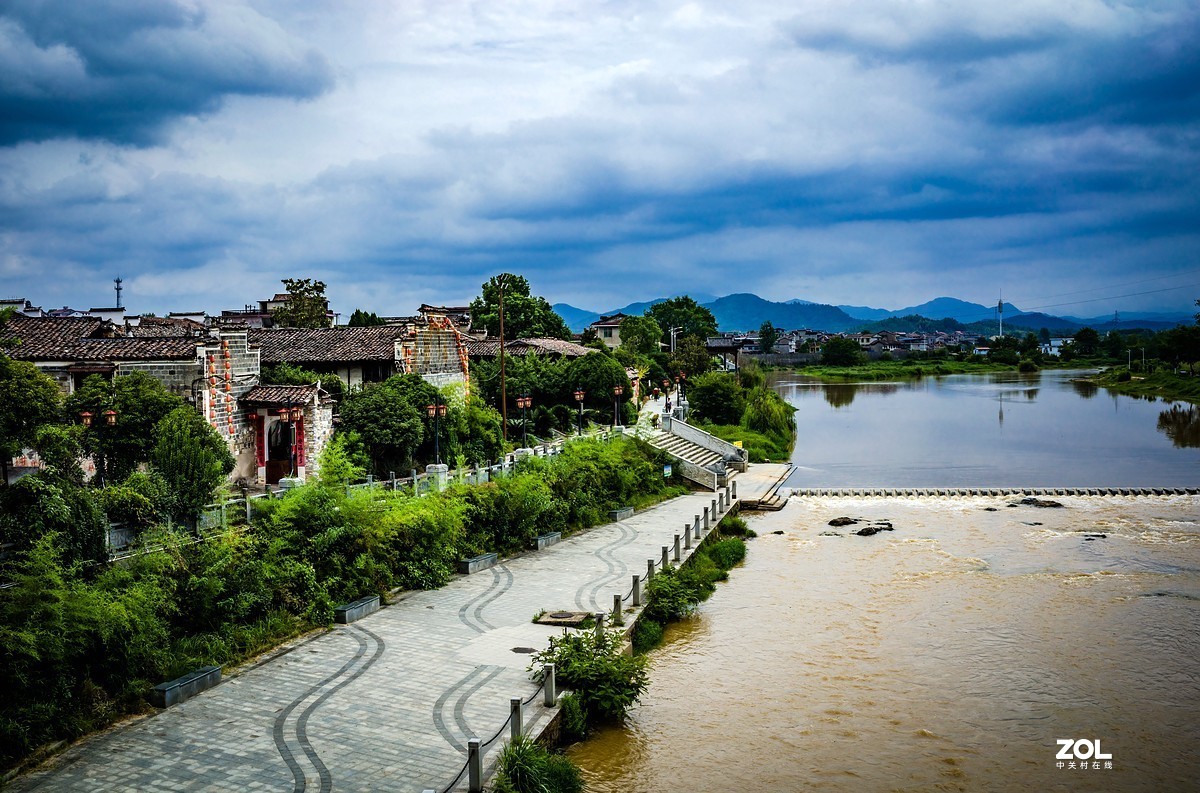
pixel 503 396
pixel 1000 308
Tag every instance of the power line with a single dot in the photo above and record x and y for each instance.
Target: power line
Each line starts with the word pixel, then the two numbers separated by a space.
pixel 1126 283
pixel 991 312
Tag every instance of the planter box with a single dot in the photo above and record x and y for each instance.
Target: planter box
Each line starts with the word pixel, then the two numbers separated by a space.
pixel 356 610
pixel 164 695
pixel 468 566
pixel 624 513
pixel 546 540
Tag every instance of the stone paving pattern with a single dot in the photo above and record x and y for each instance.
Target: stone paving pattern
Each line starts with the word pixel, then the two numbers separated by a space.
pixel 384 704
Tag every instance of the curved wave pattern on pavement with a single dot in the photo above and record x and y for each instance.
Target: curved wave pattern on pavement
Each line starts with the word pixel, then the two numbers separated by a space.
pixel 290 736
pixel 615 569
pixel 465 689
pixel 471 613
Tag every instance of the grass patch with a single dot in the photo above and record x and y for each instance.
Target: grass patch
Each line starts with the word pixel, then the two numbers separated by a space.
pixel 907 369
pixel 525 766
pixel 1163 385
pixel 760 448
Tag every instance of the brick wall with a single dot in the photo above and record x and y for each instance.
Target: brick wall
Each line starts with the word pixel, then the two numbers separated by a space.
pixel 230 369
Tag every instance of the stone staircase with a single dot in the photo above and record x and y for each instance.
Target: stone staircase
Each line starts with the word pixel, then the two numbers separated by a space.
pixel 684 449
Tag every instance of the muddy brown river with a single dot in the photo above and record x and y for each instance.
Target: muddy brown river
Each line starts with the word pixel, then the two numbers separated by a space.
pixel 952 653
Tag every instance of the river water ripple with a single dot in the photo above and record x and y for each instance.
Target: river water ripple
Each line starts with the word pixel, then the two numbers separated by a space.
pixel 949 654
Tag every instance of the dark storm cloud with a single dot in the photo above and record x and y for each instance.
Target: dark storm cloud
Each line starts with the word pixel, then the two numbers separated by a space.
pixel 1143 67
pixel 122 70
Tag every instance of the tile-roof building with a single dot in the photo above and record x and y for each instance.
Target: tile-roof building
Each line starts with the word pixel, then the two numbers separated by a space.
pixel 433 349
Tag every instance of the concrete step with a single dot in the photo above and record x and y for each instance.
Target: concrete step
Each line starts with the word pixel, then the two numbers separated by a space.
pixel 686 450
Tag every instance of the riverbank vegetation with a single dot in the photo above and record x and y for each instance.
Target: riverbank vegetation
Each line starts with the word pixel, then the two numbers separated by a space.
pixel 676 593
pixel 1163 385
pixel 82 641
pixel 740 408
pixel 907 369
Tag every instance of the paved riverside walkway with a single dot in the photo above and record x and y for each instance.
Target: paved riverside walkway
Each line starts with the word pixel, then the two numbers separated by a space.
pixel 384 704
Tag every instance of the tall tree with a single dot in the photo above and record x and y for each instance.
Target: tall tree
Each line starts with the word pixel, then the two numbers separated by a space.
pixel 525 315
pixel 386 417
pixel 768 335
pixel 363 319
pixel 640 335
pixel 139 402
pixel 690 357
pixel 717 397
pixel 840 351
pixel 597 374
pixel 1087 341
pixel 306 306
pixel 192 459
pixel 684 313
pixel 31 399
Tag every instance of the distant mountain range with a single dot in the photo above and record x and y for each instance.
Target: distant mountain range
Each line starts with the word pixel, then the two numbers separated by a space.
pixel 743 311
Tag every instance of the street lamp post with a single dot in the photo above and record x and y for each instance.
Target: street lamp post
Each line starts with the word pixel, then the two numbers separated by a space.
pixel 110 420
pixel 579 399
pixel 617 391
pixel 436 411
pixel 524 402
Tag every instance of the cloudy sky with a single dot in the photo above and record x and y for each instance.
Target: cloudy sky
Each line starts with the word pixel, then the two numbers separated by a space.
pixel 877 153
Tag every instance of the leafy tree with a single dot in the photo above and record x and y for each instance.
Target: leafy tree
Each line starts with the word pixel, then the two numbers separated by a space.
pixel 768 335
pixel 1180 346
pixel 362 319
pixel 1044 335
pixel 686 314
pixel 41 505
pixel 690 356
pixel 338 465
pixel 1087 341
pixel 31 399
pixel 841 351
pixel 287 374
pixel 640 335
pixel 1114 344
pixel 716 397
pixel 192 458
pixel 140 403
pixel 768 413
pixel 597 374
pixel 7 341
pixel 1029 344
pixel 525 315
pixel 306 306
pixel 388 422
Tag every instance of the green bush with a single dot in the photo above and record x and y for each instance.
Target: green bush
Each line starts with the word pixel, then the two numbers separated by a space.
pixel 716 397
pixel 647 634
pixel 727 553
pixel 735 526
pixel 670 597
pixel 607 682
pixel 524 766
pixel 562 776
pixel 574 718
